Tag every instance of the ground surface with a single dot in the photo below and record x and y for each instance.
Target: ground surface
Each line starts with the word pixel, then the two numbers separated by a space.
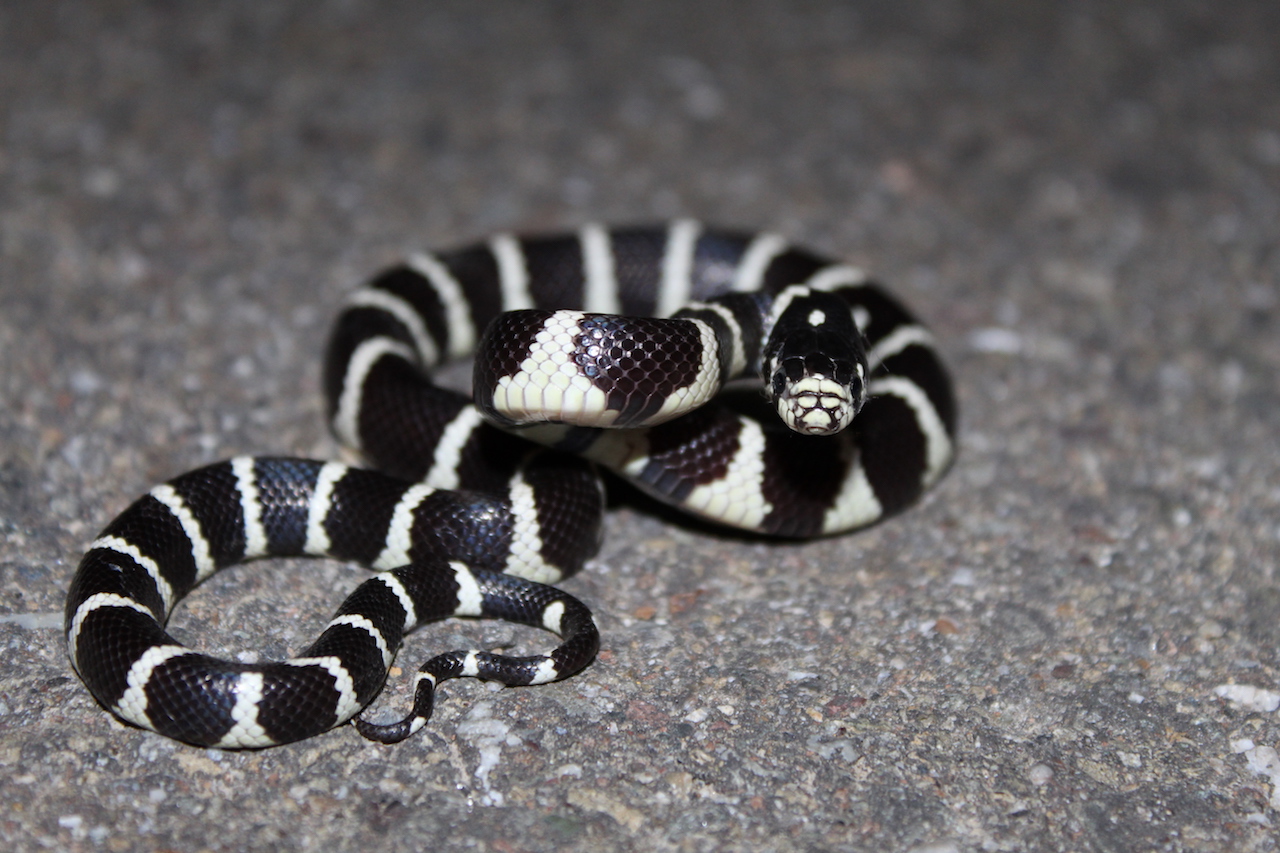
pixel 1070 645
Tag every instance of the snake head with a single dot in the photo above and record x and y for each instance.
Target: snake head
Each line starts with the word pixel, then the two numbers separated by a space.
pixel 815 362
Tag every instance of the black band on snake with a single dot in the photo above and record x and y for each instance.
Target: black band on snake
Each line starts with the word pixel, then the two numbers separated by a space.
pixel 475 506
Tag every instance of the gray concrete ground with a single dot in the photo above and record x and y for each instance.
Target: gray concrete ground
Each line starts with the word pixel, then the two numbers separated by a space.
pixel 1070 645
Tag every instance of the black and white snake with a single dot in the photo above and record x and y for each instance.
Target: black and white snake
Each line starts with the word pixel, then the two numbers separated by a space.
pixel 465 520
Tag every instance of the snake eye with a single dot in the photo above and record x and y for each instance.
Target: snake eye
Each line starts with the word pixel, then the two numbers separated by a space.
pixel 778 386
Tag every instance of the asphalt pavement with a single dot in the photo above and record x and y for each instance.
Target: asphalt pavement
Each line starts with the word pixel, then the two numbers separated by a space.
pixel 1070 644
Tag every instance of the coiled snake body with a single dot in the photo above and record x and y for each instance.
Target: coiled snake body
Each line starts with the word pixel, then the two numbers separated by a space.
pixel 462 516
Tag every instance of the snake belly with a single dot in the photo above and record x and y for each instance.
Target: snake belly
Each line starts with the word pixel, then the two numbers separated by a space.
pixel 602 348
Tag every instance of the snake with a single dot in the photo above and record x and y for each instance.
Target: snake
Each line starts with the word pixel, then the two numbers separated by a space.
pixel 745 381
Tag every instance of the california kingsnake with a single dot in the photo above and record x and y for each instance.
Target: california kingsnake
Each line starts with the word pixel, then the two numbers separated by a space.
pixel 461 507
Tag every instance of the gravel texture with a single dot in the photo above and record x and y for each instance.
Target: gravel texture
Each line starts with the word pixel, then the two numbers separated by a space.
pixel 1070 645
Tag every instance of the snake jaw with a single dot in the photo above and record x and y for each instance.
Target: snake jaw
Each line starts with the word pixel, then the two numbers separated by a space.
pixel 817 405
